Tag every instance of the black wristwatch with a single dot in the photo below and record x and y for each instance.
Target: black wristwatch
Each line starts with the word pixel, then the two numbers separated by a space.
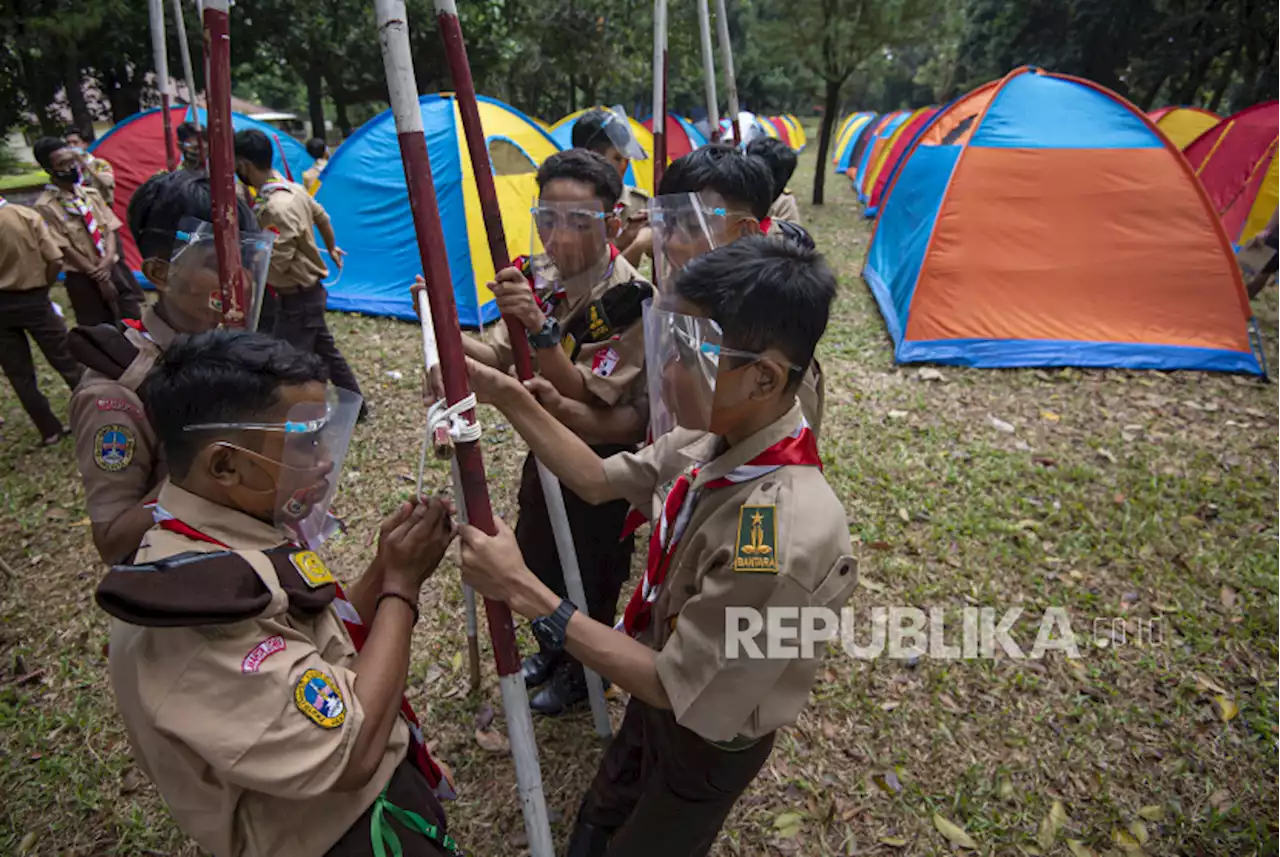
pixel 552 630
pixel 548 337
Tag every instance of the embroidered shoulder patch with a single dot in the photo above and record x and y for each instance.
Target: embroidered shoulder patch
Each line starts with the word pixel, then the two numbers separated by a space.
pixel 113 404
pixel 113 447
pixel 604 362
pixel 757 547
pixel 253 661
pixel 318 698
pixel 313 570
pixel 598 327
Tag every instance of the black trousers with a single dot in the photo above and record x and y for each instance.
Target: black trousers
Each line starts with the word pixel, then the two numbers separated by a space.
pixel 662 789
pixel 92 307
pixel 605 561
pixel 409 790
pixel 299 320
pixel 30 313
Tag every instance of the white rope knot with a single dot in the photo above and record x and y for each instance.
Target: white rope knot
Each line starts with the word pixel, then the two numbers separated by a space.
pixel 450 416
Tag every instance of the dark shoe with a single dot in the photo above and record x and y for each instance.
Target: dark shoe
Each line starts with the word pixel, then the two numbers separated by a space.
pixel 588 841
pixel 366 412
pixel 537 667
pixel 567 688
pixel 55 438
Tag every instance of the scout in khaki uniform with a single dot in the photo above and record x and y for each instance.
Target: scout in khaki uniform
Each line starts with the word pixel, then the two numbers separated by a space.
pixel 319 153
pixel 608 134
pixel 194 144
pixel 297 313
pixel 266 704
pixel 584 324
pixel 100 286
pixel 97 172
pixel 741 518
pixel 119 456
pixel 735 191
pixel 30 259
pixel 781 160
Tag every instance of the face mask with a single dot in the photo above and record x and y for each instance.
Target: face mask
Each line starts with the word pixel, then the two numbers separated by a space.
pixel 71 176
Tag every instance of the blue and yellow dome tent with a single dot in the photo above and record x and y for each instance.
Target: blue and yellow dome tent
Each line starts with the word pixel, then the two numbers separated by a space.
pixel 363 189
pixel 639 173
pixel 847 139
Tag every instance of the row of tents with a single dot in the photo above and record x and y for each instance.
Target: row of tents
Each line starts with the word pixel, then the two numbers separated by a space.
pixel 1043 220
pixel 363 189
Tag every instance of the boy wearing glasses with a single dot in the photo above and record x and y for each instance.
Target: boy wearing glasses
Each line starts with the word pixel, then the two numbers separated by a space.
pixel 743 522
pixel 580 305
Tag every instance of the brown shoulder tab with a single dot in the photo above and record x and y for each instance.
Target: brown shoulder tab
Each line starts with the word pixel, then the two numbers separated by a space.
pixel 191 589
pixel 103 348
pixel 609 315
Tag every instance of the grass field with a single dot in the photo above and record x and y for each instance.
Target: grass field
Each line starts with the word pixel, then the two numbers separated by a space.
pixel 1140 496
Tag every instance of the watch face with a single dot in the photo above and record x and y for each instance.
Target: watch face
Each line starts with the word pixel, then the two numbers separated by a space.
pixel 549 634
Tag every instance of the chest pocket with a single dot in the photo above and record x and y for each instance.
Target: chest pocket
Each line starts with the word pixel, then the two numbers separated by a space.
pixel 833 590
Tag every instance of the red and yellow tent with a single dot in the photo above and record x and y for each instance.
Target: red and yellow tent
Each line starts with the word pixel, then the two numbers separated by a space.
pixel 1183 124
pixel 892 153
pixel 1235 160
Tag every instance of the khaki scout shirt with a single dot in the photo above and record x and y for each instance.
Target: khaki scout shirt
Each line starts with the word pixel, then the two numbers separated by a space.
pixel 785 208
pixel 719 698
pixel 633 200
pixel 295 258
pixel 812 395
pixel 311 178
pixel 70 227
pixel 119 456
pixel 613 370
pixel 214 713
pixel 27 246
pixel 101 176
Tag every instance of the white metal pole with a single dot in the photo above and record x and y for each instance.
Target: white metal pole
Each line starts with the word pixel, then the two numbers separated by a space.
pixel 187 73
pixel 709 67
pixel 726 58
pixel 659 73
pixel 160 57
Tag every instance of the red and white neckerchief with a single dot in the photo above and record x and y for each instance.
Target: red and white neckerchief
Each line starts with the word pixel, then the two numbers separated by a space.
pixel 547 303
pixel 271 186
pixel 798 449
pixel 418 752
pixel 75 204
pixel 766 223
pixel 136 324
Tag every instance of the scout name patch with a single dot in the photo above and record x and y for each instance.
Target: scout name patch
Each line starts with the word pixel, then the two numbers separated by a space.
pixel 313 570
pixel 604 362
pixel 119 405
pixel 113 447
pixel 253 661
pixel 318 698
pixel 757 549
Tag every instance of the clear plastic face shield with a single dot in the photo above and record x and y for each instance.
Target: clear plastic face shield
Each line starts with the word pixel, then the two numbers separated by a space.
pixel 684 226
pixel 192 286
pixel 303 456
pixel 621 137
pixel 682 358
pixel 574 236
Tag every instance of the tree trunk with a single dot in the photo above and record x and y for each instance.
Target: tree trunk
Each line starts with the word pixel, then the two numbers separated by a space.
pixel 830 109
pixel 72 80
pixel 124 93
pixel 340 111
pixel 315 101
pixel 1225 73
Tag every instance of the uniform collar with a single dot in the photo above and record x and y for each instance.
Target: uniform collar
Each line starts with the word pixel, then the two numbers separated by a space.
pixel 161 333
pixel 585 285
pixel 236 530
pixel 736 456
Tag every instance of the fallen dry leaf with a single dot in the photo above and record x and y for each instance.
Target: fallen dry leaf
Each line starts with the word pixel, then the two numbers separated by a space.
pixel 1207 683
pixel 1228 597
pixel 888 782
pixel 1103 452
pixel 954 833
pixel 1051 825
pixel 929 374
pixel 1079 849
pixel 1004 788
pixel 896 415
pixel 1227 708
pixel 1139 831
pixel 1220 800
pixel 999 424
pixel 493 742
pixel 132 780
pixel 902 513
pixel 1124 840
pixel 28 842
pixel 787 825
pixel 484 717
pixel 1049 416
pixel 1152 812
pixel 890 705
pixel 893 841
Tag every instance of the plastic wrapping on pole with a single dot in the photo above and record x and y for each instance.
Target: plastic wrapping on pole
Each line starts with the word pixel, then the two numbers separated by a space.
pixel 393 34
pixel 709 69
pixel 465 90
pixel 159 54
pixel 185 49
pixel 726 56
pixel 659 91
pixel 226 226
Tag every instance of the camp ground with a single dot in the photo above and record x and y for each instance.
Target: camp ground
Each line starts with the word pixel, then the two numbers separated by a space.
pixel 1049 424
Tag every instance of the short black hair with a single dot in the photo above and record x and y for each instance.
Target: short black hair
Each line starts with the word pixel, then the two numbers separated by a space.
pixel 221 376
pixel 44 149
pixel 584 166
pixel 159 205
pixel 588 132
pixel 316 147
pixel 187 130
pixel 728 171
pixel 254 147
pixel 75 129
pixel 764 293
pixel 778 157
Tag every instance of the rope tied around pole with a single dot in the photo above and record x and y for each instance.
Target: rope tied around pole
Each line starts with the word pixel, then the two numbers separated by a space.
pixel 444 415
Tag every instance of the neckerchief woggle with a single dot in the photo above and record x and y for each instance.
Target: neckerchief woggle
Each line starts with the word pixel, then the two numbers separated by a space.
pixel 798 449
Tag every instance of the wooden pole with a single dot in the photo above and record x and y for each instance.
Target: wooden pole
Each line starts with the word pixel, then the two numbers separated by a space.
pixel 726 57
pixel 160 55
pixel 222 184
pixel 709 70
pixel 455 48
pixel 393 34
pixel 659 91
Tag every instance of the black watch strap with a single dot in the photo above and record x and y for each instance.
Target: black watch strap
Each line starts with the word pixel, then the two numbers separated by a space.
pixel 552 631
pixel 548 337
